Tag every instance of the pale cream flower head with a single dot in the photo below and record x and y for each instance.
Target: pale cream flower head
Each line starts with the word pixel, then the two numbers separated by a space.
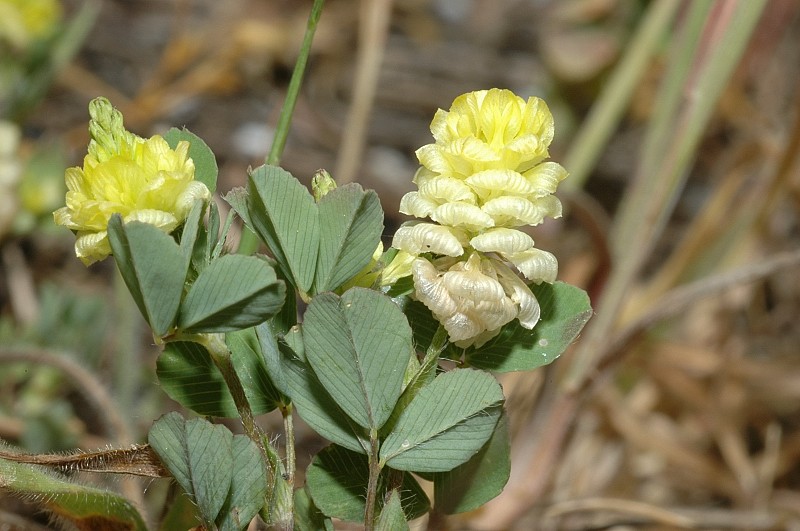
pixel 140 179
pixel 485 175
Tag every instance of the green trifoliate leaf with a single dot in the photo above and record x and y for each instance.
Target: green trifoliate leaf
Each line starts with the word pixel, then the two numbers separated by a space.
pixel 222 473
pixel 248 487
pixel 317 246
pixel 477 481
pixel 198 455
pixel 446 423
pixel 293 376
pixel 262 395
pixel 188 375
pixel 359 346
pixel 306 515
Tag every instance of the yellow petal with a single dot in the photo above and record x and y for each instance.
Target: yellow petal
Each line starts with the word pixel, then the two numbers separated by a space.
pixel 429 289
pixel 417 238
pixel 529 310
pixel 545 177
pixel 193 191
pixel 399 267
pixel 431 157
pixel 549 205
pixel 490 184
pixel 535 264
pixel 158 218
pixel 472 285
pixel 413 204
pixel 462 327
pixel 510 211
pixel 445 190
pixel 502 240
pixel 468 155
pixel 91 247
pixel 496 313
pixel 462 215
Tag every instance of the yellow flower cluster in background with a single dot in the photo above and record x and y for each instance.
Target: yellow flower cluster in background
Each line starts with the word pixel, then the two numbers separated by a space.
pixel 485 176
pixel 140 179
pixel 24 21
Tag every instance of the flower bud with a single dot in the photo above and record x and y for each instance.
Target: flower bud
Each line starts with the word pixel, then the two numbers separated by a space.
pixel 321 184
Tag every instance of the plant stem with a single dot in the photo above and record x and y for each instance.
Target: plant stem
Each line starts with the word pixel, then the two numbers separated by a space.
pixel 285 119
pixel 372 485
pixel 288 428
pixel 249 242
pixel 221 356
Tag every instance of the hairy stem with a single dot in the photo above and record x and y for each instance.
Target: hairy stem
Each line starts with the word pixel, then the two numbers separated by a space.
pixel 288 427
pixel 221 356
pixel 372 485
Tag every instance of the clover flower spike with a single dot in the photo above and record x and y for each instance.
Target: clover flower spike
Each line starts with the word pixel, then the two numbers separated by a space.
pixel 485 175
pixel 140 179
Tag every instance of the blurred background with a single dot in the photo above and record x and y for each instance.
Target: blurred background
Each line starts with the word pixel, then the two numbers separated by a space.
pixel 678 407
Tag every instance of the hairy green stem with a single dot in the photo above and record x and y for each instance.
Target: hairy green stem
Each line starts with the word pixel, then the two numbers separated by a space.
pixel 372 484
pixel 221 356
pixel 288 428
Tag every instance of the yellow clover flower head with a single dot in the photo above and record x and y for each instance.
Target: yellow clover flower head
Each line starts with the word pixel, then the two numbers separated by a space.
pixel 140 179
pixel 485 175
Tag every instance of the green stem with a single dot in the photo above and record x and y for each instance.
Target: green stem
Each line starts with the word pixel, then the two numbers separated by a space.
pixel 438 344
pixel 221 356
pixel 372 485
pixel 282 130
pixel 288 428
pixel 249 241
